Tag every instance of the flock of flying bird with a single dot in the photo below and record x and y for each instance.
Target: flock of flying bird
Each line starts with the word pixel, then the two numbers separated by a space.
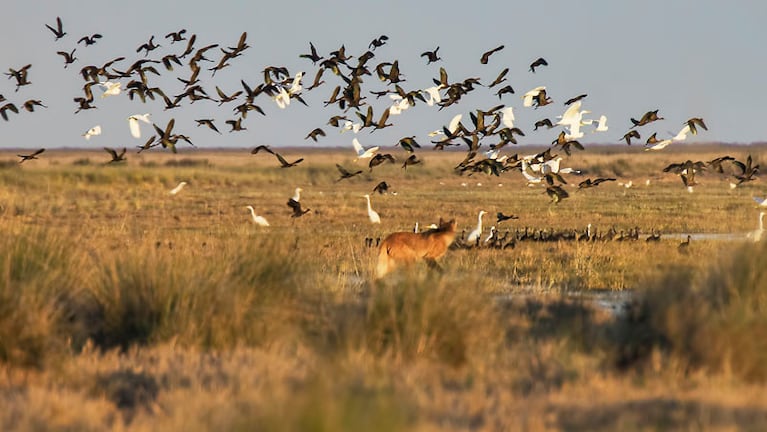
pixel 485 135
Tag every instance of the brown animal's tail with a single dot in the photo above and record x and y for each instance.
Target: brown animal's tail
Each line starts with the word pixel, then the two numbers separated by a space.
pixel 383 261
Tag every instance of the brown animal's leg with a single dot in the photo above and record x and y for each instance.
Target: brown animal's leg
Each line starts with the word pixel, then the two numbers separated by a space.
pixel 432 263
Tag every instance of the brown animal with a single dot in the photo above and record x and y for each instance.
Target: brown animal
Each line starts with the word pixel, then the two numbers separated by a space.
pixel 403 248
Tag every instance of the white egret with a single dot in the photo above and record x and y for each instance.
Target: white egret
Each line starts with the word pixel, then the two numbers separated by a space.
pixel 363 153
pixel 111 88
pixel 434 96
pixel 374 217
pixel 133 123
pixel 295 86
pixel 474 235
pixel 758 233
pixel 95 130
pixel 532 94
pixel 258 220
pixel 178 188
pixel 602 125
pixel 531 179
pixel 491 235
pixel 282 98
pixel 507 116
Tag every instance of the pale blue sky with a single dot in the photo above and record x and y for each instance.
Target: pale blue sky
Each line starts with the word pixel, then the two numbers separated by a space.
pixel 685 58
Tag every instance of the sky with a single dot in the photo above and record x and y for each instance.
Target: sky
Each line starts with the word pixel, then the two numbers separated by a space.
pixel 687 59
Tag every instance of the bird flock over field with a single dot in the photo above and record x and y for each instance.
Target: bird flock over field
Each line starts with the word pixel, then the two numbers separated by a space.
pixel 364 91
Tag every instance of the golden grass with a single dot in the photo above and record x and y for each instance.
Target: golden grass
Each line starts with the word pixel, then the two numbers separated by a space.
pixel 124 307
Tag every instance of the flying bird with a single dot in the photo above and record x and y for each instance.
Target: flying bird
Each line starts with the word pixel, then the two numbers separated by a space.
pixel 116 157
pixel 378 159
pixel 59 30
pixel 363 153
pixel 314 134
pixel 69 57
pixel 284 163
pixel 694 122
pixel 133 123
pixel 540 61
pixel 431 56
pixel 95 130
pixel 89 39
pixel 31 156
pixel 411 160
pixel 346 173
pixel 486 56
pixel 295 204
pixel 631 134
pixel 209 123
pixel 381 188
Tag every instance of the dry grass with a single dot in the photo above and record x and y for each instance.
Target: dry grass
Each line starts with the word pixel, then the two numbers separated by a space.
pixel 122 306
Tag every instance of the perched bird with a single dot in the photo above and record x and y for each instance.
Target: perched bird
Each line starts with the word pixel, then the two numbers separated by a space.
pixel 758 234
pixel 346 173
pixel 473 236
pixel 116 157
pixel 31 156
pixel 538 62
pixel 59 30
pixel 178 188
pixel 258 220
pixel 372 214
pixel 295 205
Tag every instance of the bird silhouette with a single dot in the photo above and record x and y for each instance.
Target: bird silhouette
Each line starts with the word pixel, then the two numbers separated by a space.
pixel 30 156
pixel 59 30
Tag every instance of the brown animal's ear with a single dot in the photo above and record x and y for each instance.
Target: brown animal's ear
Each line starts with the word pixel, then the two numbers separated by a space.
pixel 440 221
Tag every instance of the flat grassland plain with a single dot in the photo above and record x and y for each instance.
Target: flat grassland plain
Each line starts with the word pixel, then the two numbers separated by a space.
pixel 125 307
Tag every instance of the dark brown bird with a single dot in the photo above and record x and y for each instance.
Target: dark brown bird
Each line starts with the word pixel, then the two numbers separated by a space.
pixel 314 134
pixel 90 40
pixel 544 122
pixel 378 42
pixel 411 160
pixel 694 122
pixel 500 217
pixel 631 134
pixel 8 107
pixel 556 193
pixel 431 56
pixel 69 57
pixel 540 61
pixel 346 173
pixel 648 117
pixel 25 158
pixel 261 147
pixel 115 156
pixel 381 188
pixel 59 30
pixel 20 75
pixel 30 105
pixel 148 46
pixel 593 183
pixel 575 99
pixel 504 90
pixel 236 125
pixel 313 56
pixel 748 171
pixel 208 123
pixel 716 164
pixel 284 163
pixel 486 56
pixel 500 78
pixel 295 205
pixel 176 36
pixel 379 158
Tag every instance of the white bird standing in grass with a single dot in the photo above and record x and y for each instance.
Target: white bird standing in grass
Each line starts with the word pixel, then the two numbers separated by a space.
pixel 363 153
pixel 758 233
pixel 474 235
pixel 95 130
pixel 133 123
pixel 258 220
pixel 178 188
pixel 374 217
